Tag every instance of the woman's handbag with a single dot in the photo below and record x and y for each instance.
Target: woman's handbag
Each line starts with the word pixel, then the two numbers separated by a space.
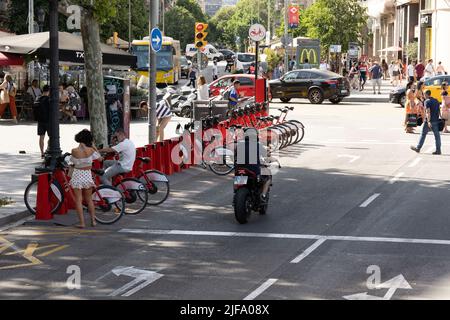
pixel 411 120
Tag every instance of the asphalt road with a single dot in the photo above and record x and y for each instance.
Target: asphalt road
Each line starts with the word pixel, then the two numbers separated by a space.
pixel 353 213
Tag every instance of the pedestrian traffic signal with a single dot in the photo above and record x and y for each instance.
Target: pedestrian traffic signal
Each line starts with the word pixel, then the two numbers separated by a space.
pixel 200 35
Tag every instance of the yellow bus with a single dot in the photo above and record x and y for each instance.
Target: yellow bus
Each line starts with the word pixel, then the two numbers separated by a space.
pixel 168 68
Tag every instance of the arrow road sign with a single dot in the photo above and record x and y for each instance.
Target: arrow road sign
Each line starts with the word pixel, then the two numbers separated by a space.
pixel 142 279
pixel 156 39
pixel 398 282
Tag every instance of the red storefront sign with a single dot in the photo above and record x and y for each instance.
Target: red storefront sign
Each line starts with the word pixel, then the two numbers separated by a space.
pixel 293 16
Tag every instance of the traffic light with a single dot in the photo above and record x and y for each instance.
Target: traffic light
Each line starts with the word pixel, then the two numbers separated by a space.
pixel 200 35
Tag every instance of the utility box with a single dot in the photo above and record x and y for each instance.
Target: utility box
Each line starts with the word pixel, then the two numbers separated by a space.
pixel 117 104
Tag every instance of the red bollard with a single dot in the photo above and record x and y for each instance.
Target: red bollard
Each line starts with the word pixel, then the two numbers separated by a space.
pixel 160 164
pixel 43 210
pixel 173 143
pixel 168 156
pixel 150 152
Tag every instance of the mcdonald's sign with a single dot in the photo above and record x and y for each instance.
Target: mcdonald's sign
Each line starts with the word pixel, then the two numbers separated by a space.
pixel 309 53
pixel 308 49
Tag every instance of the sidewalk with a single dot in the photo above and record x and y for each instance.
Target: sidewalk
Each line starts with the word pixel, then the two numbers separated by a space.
pixel 16 168
pixel 368 96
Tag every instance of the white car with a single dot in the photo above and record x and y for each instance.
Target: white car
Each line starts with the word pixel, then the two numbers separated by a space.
pixel 210 51
pixel 244 60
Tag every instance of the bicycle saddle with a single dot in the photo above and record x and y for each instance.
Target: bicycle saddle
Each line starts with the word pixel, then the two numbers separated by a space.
pixel 276 117
pixel 144 159
pixel 100 172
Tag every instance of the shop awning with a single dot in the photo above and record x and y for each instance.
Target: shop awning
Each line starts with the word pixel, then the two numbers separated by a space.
pixel 392 49
pixel 8 59
pixel 70 48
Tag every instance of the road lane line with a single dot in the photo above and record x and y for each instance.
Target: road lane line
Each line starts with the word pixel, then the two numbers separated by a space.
pixel 261 289
pixel 285 236
pixel 414 163
pixel 369 200
pixel 308 251
pixel 352 158
pixel 396 177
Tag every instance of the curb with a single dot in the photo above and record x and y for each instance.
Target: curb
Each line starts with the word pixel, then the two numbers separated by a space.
pixel 366 99
pixel 14 217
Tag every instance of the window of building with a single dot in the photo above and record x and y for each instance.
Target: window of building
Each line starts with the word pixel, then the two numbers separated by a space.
pixel 426 4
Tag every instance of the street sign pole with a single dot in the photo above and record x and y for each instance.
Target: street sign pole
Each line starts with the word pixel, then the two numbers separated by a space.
pixel 154 13
pixel 286 58
pixel 256 62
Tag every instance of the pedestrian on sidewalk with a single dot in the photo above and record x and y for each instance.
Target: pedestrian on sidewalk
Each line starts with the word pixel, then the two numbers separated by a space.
pixel 385 67
pixel 81 177
pixel 411 110
pixel 391 72
pixel 429 69
pixel 192 77
pixel 431 122
pixel 395 73
pixel 41 110
pixel 215 71
pixel 440 70
pixel 445 105
pixel 376 73
pixel 34 90
pixel 354 77
pixel 7 97
pixel 411 71
pixel 420 68
pixel 420 101
pixel 362 75
pixel 202 91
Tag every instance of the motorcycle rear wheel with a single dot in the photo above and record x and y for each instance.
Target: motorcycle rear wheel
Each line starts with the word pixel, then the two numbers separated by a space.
pixel 242 205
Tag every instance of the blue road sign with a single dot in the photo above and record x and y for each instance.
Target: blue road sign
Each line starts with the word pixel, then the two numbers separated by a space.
pixel 156 39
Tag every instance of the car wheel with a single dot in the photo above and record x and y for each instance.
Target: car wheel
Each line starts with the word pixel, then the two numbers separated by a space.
pixel 402 100
pixel 335 100
pixel 285 100
pixel 315 96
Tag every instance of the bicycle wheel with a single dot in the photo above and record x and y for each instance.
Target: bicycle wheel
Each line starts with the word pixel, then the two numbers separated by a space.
pixel 288 133
pixel 135 194
pixel 292 131
pixel 55 197
pixel 109 204
pixel 221 161
pixel 157 185
pixel 301 130
pixel 273 137
pixel 283 136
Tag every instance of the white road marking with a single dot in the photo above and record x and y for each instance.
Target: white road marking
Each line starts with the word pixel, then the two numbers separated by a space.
pixel 369 200
pixel 352 158
pixel 261 289
pixel 396 177
pixel 308 251
pixel 414 163
pixel 285 236
pixel 398 282
pixel 142 278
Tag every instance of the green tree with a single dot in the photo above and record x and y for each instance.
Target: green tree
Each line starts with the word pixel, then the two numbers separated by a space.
pixel 195 10
pixel 335 22
pixel 412 50
pixel 180 25
pixel 218 27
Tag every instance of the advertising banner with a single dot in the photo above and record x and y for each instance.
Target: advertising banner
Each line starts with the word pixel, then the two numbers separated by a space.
pixel 293 15
pixel 308 50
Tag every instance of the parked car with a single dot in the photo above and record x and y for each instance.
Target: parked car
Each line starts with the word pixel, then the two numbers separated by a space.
pixel 398 96
pixel 247 84
pixel 434 85
pixel 315 85
pixel 210 51
pixel 185 66
pixel 243 61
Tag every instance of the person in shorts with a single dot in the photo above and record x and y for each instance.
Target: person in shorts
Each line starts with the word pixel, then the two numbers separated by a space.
pixel 42 115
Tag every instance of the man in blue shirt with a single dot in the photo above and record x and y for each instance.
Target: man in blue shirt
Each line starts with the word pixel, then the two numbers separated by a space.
pixel 376 73
pixel 431 122
pixel 233 99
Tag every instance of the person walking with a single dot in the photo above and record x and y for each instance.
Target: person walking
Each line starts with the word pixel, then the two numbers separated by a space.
pixel 431 122
pixel 192 77
pixel 411 111
pixel 354 77
pixel 233 98
pixel 127 155
pixel 420 69
pixel 163 114
pixel 391 72
pixel 445 105
pixel 202 91
pixel 395 73
pixel 420 101
pixel 376 74
pixel 215 71
pixel 7 97
pixel 429 69
pixel 81 177
pixel 440 70
pixel 34 91
pixel 41 110
pixel 411 71
pixel 362 75
pixel 385 68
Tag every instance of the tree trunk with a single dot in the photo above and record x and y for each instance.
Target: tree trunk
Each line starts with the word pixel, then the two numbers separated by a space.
pixel 90 31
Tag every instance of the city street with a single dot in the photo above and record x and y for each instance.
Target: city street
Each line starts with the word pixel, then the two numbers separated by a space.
pixel 353 214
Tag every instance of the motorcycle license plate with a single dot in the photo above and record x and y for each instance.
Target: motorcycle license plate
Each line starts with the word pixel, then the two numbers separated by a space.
pixel 240 180
pixel 344 91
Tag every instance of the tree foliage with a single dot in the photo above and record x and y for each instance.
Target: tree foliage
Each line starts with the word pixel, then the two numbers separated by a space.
pixel 335 22
pixel 180 25
pixel 218 27
pixel 412 50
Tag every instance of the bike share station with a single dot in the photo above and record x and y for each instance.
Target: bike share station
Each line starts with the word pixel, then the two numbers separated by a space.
pixel 154 162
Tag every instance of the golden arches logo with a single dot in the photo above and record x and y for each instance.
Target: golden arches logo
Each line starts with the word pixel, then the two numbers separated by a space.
pixel 308 55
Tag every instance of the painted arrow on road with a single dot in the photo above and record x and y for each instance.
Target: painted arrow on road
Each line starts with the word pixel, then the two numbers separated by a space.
pixel 398 282
pixel 352 158
pixel 142 279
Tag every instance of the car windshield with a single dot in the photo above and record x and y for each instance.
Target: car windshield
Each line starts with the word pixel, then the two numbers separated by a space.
pixel 246 57
pixel 164 58
pixel 183 61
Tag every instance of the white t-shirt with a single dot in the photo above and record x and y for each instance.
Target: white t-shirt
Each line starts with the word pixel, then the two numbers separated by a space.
pixel 429 70
pixel 127 154
pixel 34 92
pixel 411 70
pixel 203 93
pixel 215 71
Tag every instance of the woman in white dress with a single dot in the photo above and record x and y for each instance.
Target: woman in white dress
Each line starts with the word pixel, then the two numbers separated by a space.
pixel 81 177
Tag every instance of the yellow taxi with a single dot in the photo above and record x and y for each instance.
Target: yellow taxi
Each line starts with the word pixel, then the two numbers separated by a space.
pixel 434 85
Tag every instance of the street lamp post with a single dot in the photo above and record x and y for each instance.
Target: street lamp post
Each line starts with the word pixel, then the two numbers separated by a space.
pixel 41 19
pixel 53 150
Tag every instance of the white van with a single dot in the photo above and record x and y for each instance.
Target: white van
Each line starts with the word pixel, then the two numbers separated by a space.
pixel 210 51
pixel 244 60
